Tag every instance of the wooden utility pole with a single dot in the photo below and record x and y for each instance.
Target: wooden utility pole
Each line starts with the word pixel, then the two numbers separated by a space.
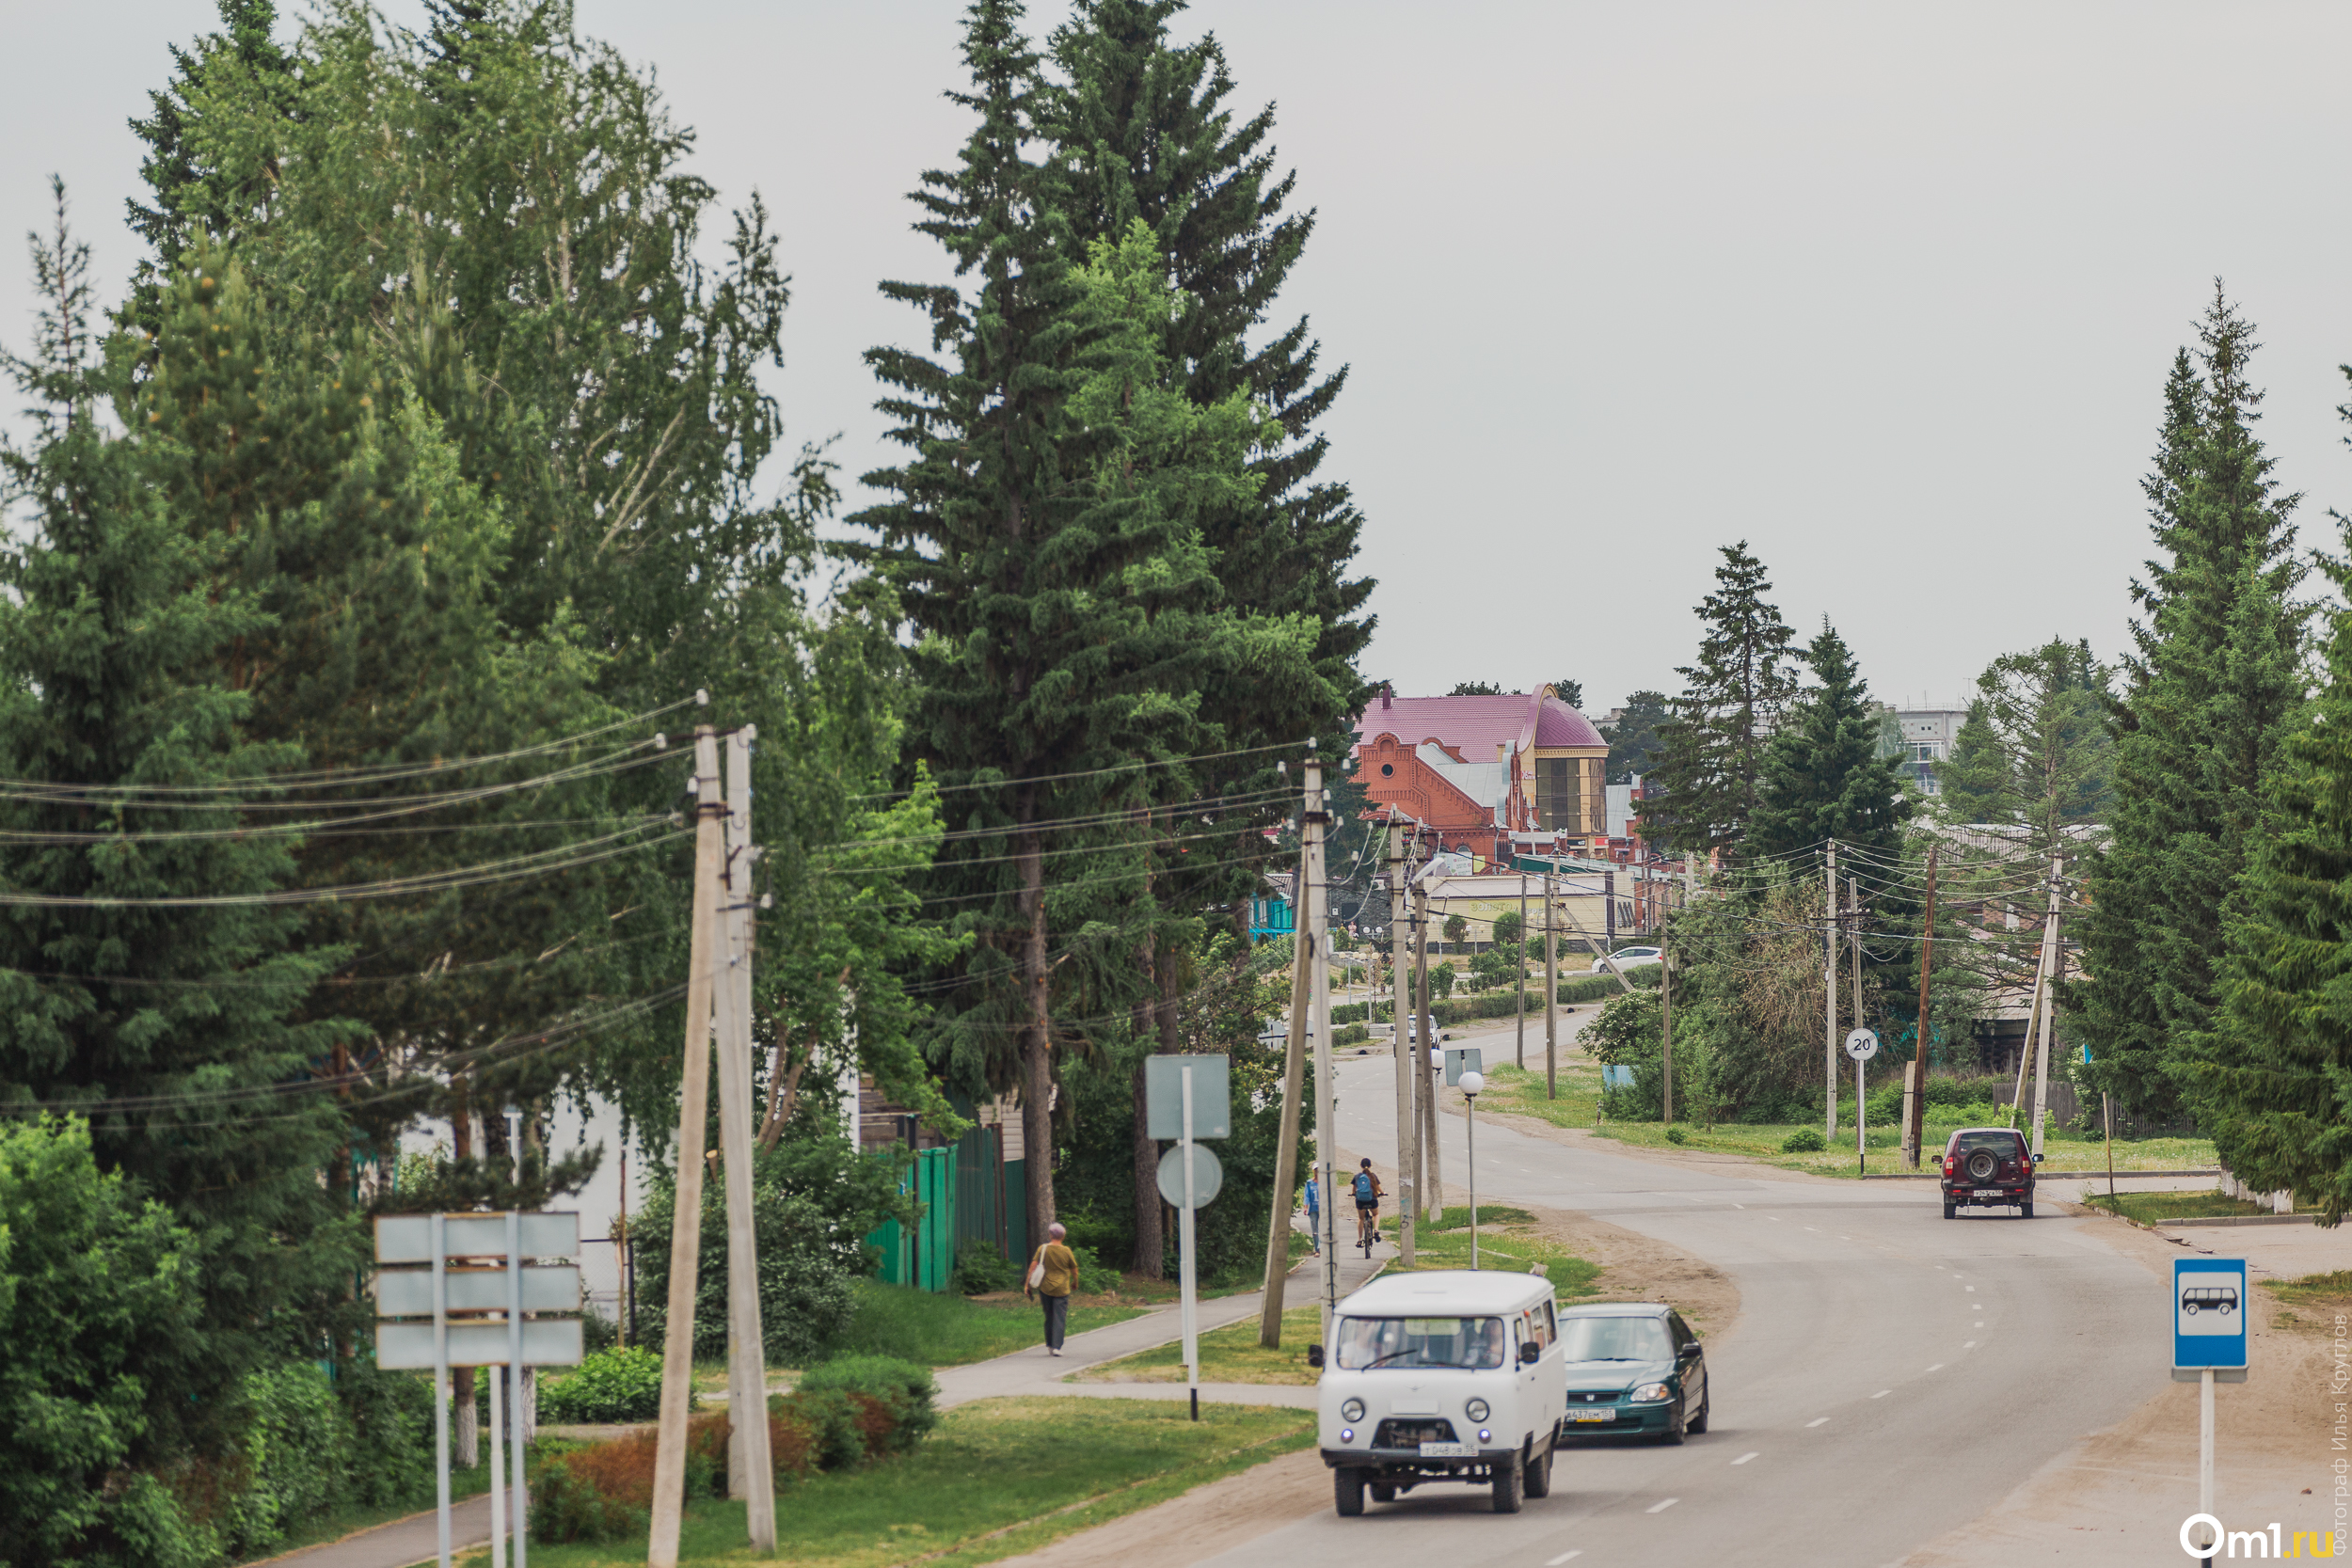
pixel 1277 1242
pixel 1666 1022
pixel 1400 975
pixel 1829 991
pixel 1552 995
pixel 1424 1097
pixel 2055 968
pixel 750 1469
pixel 1915 1125
pixel 1518 972
pixel 678 1355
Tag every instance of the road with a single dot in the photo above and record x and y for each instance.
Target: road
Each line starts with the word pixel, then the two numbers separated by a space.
pixel 1892 1375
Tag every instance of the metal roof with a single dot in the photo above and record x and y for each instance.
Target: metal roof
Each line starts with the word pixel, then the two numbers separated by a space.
pixel 1445 1292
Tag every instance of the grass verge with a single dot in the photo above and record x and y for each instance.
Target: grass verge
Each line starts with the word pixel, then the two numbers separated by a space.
pixel 336 1523
pixel 952 1330
pixel 1509 1245
pixel 999 1477
pixel 1227 1355
pixel 2155 1207
pixel 1520 1092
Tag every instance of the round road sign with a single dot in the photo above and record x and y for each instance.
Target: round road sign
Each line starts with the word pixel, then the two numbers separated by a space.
pixel 1207 1176
pixel 1862 1045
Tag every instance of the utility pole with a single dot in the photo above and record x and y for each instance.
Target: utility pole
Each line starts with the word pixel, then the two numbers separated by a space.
pixel 1853 948
pixel 1552 995
pixel 1518 972
pixel 1400 974
pixel 1829 989
pixel 1278 1250
pixel 1914 1124
pixel 1609 908
pixel 751 1470
pixel 1315 897
pixel 1666 1021
pixel 678 1355
pixel 1430 1192
pixel 2054 969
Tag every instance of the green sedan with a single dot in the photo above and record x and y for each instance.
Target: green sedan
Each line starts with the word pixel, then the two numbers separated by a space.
pixel 1634 1370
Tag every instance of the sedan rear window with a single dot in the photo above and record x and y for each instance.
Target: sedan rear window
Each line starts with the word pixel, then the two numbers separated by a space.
pixel 1473 1343
pixel 1615 1339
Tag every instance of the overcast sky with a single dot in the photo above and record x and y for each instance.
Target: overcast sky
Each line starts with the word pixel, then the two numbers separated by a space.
pixel 1889 291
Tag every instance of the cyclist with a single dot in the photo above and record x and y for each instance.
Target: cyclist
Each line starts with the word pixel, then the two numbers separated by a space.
pixel 1367 1187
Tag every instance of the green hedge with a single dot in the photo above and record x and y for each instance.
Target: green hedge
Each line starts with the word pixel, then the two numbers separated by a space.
pixel 1446 1013
pixel 622 1383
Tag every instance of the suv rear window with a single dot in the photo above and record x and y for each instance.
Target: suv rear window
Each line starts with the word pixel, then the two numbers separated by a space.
pixel 2005 1144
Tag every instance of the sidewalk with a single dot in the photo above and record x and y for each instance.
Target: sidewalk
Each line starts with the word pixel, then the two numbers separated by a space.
pixel 1033 1371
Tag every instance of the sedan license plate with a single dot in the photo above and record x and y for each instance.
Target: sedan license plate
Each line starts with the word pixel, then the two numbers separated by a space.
pixel 1592 1414
pixel 1987 1192
pixel 1448 1451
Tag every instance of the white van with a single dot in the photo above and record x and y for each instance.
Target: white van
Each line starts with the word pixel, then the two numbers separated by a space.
pixel 1451 1375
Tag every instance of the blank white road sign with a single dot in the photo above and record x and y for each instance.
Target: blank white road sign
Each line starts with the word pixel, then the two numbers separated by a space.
pixel 546 1342
pixel 408 1292
pixel 409 1238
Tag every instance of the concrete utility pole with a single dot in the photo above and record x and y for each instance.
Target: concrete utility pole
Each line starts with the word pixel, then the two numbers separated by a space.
pixel 1666 1022
pixel 1518 971
pixel 1552 995
pixel 1430 1190
pixel 1914 1122
pixel 2033 1020
pixel 1315 895
pixel 678 1355
pixel 2054 969
pixel 1400 973
pixel 750 1469
pixel 1829 991
pixel 1278 1249
pixel 1853 949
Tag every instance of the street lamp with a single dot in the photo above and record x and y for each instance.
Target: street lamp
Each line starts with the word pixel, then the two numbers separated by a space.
pixel 1472 1083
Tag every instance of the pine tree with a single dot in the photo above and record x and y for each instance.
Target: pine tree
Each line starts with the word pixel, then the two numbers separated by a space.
pixel 1634 739
pixel 191 196
pixel 1709 767
pixel 1824 774
pixel 2272 1084
pixel 177 1028
pixel 2211 689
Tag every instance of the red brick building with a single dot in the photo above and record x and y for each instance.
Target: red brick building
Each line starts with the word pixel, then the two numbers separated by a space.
pixel 1488 776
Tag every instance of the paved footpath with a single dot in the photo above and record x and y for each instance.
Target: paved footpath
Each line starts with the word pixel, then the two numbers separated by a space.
pixel 413 1540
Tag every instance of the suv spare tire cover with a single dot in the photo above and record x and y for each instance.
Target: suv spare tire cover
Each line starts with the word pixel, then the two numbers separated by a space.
pixel 1983 1164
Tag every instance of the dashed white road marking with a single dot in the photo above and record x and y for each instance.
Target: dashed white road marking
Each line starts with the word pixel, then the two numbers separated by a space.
pixel 1563 1557
pixel 1937 1367
pixel 1968 1287
pixel 1661 1508
pixel 1743 1458
pixel 1970 1345
pixel 1881 1393
pixel 1816 1421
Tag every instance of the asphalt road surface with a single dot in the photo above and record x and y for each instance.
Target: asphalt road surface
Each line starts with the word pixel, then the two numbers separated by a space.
pixel 1893 1374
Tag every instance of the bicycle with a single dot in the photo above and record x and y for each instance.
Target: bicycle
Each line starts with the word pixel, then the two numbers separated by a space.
pixel 1367 1225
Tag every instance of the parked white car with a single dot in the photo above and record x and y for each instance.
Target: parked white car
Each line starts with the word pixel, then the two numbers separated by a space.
pixel 1453 1375
pixel 1627 958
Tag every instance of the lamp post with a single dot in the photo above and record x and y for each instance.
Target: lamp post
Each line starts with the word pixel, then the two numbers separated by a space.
pixel 1471 1083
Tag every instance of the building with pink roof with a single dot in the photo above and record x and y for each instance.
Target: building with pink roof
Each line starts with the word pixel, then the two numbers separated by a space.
pixel 1486 776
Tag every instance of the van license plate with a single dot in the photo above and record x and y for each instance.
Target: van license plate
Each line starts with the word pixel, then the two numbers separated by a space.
pixel 1448 1451
pixel 1988 1192
pixel 1592 1414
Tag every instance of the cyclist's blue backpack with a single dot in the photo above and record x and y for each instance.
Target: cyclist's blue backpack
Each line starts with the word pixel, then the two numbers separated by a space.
pixel 1363 1187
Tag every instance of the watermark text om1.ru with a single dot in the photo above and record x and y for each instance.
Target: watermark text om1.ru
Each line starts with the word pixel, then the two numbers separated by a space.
pixel 2268 1542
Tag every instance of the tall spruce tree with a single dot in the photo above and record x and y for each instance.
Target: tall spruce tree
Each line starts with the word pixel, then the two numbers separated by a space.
pixel 2036 751
pixel 1824 774
pixel 1709 767
pixel 175 1027
pixel 2212 686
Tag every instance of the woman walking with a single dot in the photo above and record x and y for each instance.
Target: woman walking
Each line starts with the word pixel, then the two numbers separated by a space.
pixel 1053 1275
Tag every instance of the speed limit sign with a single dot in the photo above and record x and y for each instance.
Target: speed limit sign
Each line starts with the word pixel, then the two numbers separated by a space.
pixel 1862 1045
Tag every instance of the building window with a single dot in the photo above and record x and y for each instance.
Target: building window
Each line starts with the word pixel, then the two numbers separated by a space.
pixel 1560 795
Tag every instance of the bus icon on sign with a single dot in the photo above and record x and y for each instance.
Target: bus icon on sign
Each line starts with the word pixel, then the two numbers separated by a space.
pixel 2208 1298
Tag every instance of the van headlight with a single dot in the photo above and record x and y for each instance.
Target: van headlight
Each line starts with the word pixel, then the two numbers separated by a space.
pixel 1476 1410
pixel 1650 1393
pixel 1351 1410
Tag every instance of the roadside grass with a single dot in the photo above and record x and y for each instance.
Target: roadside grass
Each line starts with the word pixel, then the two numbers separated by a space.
pixel 999 1477
pixel 2312 1288
pixel 1520 1092
pixel 1509 1247
pixel 336 1523
pixel 2155 1207
pixel 952 1330
pixel 1227 1355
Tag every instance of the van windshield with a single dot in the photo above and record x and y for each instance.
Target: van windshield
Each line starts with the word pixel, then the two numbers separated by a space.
pixel 1472 1343
pixel 1615 1339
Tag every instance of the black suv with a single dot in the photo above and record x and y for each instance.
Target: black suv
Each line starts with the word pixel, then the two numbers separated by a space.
pixel 1987 1165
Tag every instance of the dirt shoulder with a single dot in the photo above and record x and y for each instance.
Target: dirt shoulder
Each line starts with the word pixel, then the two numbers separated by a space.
pixel 2121 1495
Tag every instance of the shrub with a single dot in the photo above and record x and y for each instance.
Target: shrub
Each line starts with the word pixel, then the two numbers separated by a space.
pixel 981 1266
pixel 1673 1135
pixel 565 1505
pixel 295 1446
pixel 391 1414
pixel 903 1389
pixel 837 1435
pixel 622 1383
pixel 1805 1140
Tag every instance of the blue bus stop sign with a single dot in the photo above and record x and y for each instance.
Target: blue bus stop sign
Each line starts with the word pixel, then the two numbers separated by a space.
pixel 2209 1309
